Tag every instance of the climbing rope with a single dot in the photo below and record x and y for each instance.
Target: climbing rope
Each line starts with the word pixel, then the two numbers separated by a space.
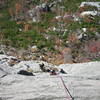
pixel 72 98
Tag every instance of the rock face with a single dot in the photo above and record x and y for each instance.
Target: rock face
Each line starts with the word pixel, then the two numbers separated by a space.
pixel 82 81
pixel 5 70
pixel 2 73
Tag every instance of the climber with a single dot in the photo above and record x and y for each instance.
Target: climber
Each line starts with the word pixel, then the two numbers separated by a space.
pixel 62 71
pixel 28 71
pixel 42 67
pixel 24 72
pixel 53 72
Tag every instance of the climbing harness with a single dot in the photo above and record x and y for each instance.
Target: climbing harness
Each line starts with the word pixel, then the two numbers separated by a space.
pixel 72 98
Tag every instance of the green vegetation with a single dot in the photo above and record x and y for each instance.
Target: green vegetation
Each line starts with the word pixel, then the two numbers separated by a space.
pixel 35 36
